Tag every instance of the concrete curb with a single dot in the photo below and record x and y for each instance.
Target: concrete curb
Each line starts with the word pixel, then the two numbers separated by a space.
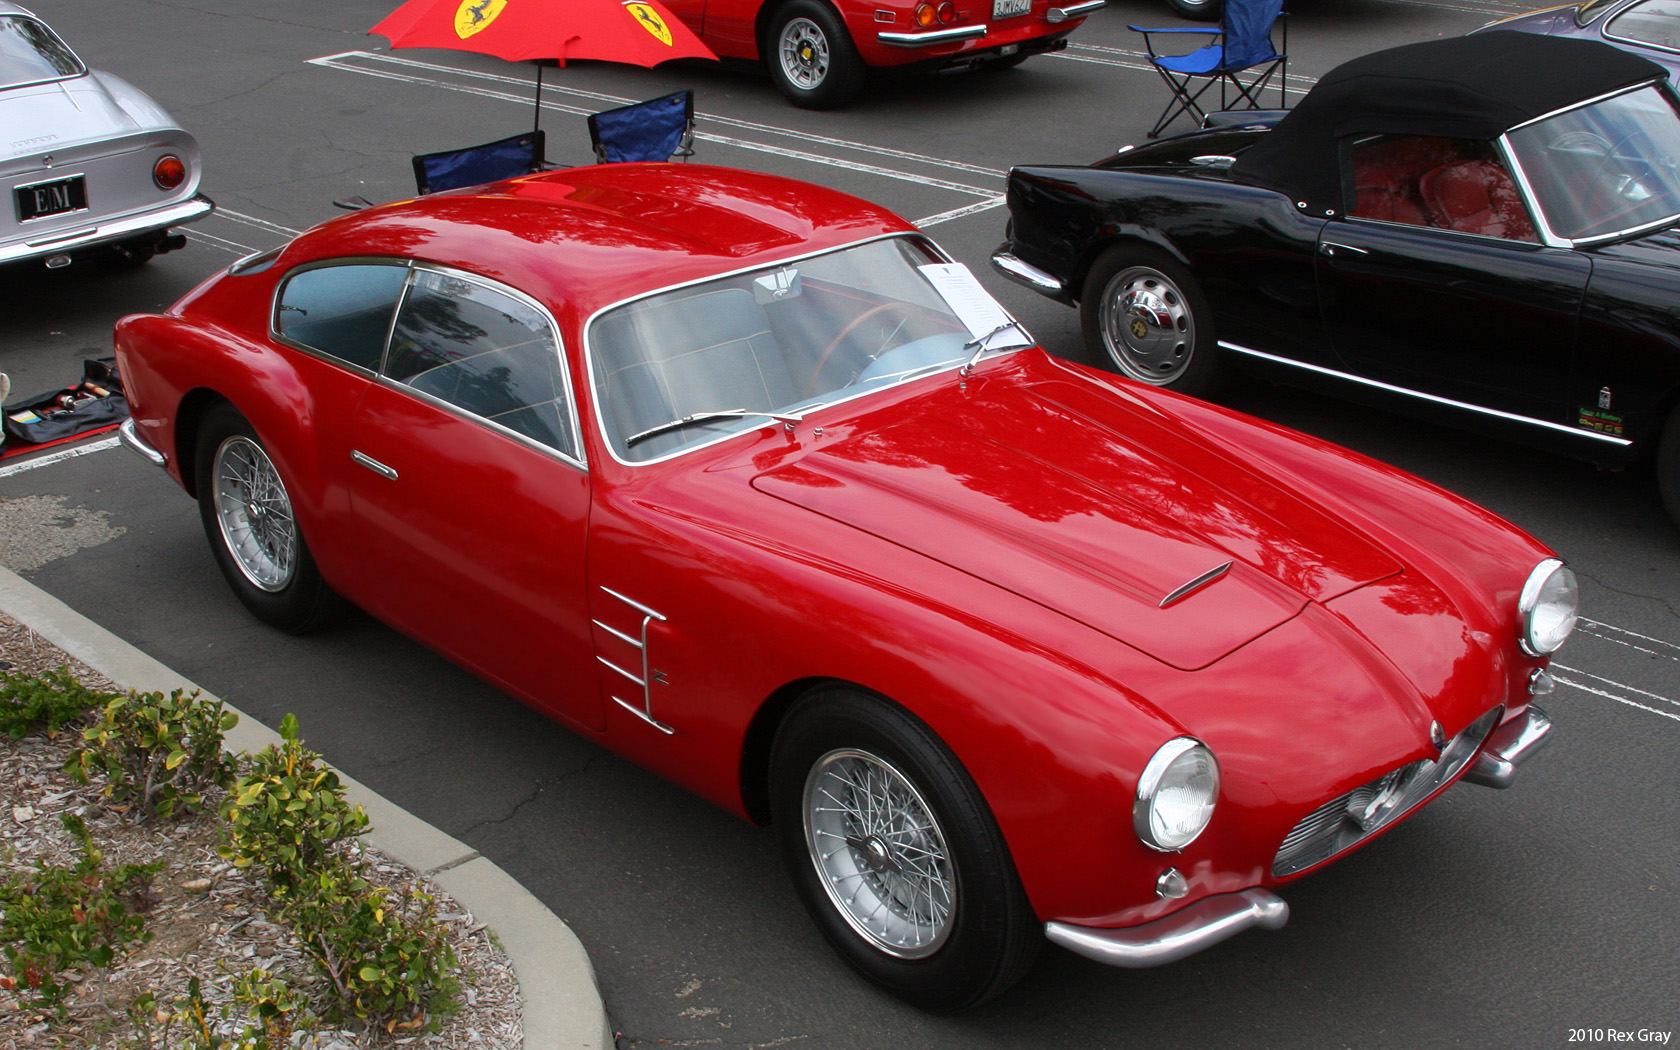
pixel 562 1006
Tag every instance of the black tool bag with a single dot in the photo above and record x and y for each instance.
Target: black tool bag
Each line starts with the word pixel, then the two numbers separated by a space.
pixel 97 401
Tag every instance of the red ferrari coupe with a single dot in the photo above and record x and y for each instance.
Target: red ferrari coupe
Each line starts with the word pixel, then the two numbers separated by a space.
pixel 747 480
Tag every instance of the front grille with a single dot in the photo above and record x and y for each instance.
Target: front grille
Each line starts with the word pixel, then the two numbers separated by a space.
pixel 1345 821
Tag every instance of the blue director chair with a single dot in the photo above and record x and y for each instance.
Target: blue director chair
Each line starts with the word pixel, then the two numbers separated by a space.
pixel 658 129
pixel 475 165
pixel 1241 61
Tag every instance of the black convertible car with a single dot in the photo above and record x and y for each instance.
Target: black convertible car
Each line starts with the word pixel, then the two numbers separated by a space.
pixel 1483 229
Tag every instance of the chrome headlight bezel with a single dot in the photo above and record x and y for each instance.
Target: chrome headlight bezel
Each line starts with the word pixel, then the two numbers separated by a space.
pixel 1173 762
pixel 1547 608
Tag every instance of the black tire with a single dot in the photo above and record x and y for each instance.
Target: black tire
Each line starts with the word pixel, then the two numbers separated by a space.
pixel 1198 10
pixel 1144 316
pixel 256 541
pixel 1668 466
pixel 811 57
pixel 981 934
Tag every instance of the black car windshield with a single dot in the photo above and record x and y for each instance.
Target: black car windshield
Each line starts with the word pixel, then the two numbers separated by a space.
pixel 683 367
pixel 1604 169
pixel 31 53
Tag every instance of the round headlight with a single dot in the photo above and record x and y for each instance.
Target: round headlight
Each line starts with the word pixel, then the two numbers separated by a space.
pixel 1548 607
pixel 1176 795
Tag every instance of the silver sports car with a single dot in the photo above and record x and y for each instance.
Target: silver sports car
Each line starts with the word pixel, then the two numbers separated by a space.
pixel 86 159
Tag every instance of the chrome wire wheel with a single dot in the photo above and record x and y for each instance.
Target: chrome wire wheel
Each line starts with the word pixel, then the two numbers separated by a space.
pixel 255 514
pixel 879 853
pixel 803 52
pixel 1146 325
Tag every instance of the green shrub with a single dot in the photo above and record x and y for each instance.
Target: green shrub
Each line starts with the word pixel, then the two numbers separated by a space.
pixel 52 700
pixel 269 1010
pixel 157 752
pixel 57 919
pixel 385 958
pixel 287 812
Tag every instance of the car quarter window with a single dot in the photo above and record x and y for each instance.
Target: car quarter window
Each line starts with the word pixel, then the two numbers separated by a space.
pixel 343 311
pixel 29 52
pixel 486 352
pixel 1448 184
pixel 1655 22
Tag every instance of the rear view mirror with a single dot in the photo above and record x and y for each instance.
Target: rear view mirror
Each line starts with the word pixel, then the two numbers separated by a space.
pixel 774 287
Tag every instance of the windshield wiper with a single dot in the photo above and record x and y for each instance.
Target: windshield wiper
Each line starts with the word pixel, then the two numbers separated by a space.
pixel 979 345
pixel 707 417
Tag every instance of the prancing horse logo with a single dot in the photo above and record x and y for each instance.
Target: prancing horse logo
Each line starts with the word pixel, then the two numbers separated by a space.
pixel 475 16
pixel 649 20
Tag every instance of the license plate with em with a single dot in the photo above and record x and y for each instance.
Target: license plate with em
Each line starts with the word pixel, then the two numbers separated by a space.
pixel 51 198
pixel 1010 8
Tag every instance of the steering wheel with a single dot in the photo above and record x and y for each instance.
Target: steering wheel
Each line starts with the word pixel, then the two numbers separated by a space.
pixel 853 325
pixel 1610 154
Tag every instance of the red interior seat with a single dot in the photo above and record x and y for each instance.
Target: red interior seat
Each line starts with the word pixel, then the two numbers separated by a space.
pixel 1476 196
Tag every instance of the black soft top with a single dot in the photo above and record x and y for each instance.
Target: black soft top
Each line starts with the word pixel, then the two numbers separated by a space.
pixel 1468 87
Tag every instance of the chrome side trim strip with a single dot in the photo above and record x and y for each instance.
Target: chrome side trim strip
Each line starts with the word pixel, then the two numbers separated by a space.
pixel 1508 747
pixel 187 211
pixel 1040 281
pixel 1062 14
pixel 645 711
pixel 129 435
pixel 1436 399
pixel 933 39
pixel 1173 937
pixel 365 460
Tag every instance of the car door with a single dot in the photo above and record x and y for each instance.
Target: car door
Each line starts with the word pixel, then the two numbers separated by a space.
pixel 471 496
pixel 1451 299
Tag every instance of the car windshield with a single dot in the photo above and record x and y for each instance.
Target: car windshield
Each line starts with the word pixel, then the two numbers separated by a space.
pixel 686 366
pixel 1604 169
pixel 31 53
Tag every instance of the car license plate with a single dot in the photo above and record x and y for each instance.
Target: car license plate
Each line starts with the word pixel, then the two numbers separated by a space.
pixel 1010 8
pixel 51 198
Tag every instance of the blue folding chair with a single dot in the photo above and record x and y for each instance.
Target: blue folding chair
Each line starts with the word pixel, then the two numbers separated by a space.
pixel 476 165
pixel 658 129
pixel 1241 61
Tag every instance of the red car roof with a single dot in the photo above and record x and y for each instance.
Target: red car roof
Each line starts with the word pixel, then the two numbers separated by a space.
pixel 593 236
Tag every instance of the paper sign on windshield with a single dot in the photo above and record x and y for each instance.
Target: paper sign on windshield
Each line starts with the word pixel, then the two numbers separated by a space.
pixel 973 305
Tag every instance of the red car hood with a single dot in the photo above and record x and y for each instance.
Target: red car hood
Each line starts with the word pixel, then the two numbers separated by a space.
pixel 1100 508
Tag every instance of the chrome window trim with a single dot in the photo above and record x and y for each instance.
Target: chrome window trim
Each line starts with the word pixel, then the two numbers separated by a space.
pixel 1608 35
pixel 1535 215
pixel 1483 238
pixel 589 350
pixel 1434 398
pixel 1595 100
pixel 31 17
pixel 579 460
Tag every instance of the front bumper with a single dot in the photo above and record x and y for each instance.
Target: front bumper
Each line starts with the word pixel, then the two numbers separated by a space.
pixel 129 435
pixel 1508 747
pixel 1027 275
pixel 1173 937
pixel 62 240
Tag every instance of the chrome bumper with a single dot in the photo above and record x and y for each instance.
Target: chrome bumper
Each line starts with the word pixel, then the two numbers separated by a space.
pixel 1062 14
pixel 1029 275
pixel 1508 746
pixel 1172 937
pixel 129 435
pixel 933 38
pixel 103 233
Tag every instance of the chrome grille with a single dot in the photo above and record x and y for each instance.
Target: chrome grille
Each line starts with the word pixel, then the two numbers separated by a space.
pixel 1343 822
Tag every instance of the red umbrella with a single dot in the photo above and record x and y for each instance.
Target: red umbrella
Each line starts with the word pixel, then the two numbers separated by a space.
pixel 639 32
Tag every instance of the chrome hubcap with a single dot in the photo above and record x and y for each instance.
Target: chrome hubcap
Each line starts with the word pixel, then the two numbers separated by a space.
pixel 879 853
pixel 804 53
pixel 255 514
pixel 1146 326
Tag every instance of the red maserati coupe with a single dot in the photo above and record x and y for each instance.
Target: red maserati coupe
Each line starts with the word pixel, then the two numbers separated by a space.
pixel 747 480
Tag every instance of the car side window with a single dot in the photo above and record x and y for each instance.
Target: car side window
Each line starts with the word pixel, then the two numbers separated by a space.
pixel 1655 22
pixel 1448 184
pixel 342 311
pixel 485 352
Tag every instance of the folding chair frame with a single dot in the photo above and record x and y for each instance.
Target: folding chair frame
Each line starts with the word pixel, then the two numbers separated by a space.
pixel 685 144
pixel 422 181
pixel 1187 101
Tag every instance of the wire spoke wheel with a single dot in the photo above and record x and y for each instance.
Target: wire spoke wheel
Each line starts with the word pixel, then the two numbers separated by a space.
pixel 879 853
pixel 803 52
pixel 1147 327
pixel 255 514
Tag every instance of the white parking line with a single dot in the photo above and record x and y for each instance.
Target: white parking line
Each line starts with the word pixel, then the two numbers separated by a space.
pixel 1622 636
pixel 59 457
pixel 1562 680
pixel 252 220
pixel 219 242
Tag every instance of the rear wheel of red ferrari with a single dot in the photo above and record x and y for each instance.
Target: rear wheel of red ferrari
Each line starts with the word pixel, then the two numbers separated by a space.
pixel 247 516
pixel 1668 466
pixel 895 853
pixel 1145 317
pixel 811 56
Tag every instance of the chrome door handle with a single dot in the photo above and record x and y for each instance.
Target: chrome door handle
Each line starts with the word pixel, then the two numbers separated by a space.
pixel 1331 247
pixel 373 464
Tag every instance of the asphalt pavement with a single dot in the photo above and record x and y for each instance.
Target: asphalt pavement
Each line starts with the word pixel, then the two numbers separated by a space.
pixel 1515 919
